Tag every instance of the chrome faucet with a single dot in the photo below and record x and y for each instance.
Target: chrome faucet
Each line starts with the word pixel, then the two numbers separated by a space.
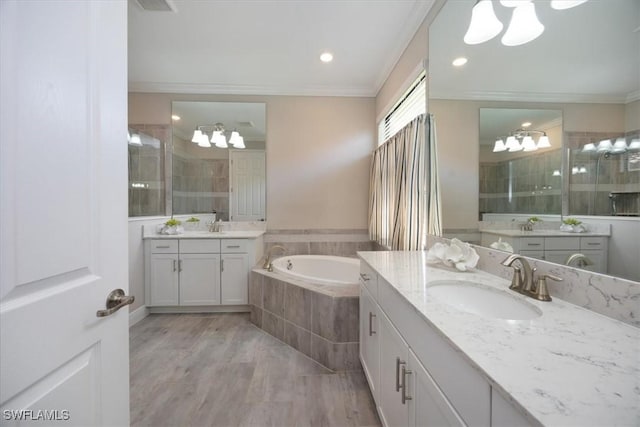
pixel 267 258
pixel 581 260
pixel 523 282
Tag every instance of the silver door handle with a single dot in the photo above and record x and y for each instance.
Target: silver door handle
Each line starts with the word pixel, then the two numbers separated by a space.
pixel 403 386
pixel 364 277
pixel 180 265
pixel 174 265
pixel 115 301
pixel 398 363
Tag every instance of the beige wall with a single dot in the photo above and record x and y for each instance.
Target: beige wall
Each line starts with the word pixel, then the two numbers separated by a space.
pixel 457 125
pixel 318 151
pixel 416 52
pixel 632 119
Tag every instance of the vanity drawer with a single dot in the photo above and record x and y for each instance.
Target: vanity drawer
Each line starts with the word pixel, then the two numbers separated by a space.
pixel 558 243
pixel 234 245
pixel 164 246
pixel 199 246
pixel 532 243
pixel 592 243
pixel 369 278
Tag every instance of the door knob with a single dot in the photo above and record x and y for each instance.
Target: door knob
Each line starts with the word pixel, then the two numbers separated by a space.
pixel 115 301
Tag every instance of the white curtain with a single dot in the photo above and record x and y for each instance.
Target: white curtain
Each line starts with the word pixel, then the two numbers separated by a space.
pixel 404 191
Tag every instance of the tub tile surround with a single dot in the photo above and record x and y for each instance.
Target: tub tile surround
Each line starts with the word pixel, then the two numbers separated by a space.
pixel 320 321
pixel 607 295
pixel 568 367
pixel 336 242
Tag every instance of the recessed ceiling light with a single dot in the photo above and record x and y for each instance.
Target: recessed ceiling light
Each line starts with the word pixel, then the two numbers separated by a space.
pixel 526 124
pixel 175 117
pixel 326 57
pixel 459 62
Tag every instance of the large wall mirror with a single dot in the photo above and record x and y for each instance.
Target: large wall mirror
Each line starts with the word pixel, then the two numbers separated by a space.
pixel 218 161
pixel 520 161
pixel 578 84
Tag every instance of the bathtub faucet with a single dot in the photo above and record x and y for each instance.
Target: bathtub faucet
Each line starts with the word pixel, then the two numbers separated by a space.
pixel 267 258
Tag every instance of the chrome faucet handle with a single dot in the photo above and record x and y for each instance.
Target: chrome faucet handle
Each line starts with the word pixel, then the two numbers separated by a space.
pixel 542 292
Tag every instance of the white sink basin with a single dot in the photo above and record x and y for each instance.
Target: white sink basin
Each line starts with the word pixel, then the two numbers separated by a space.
pixel 482 300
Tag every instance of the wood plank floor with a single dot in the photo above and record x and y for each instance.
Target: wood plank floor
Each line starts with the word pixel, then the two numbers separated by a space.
pixel 220 370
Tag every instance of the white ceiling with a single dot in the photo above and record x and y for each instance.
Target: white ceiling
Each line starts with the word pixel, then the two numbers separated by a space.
pixel 270 46
pixel 590 53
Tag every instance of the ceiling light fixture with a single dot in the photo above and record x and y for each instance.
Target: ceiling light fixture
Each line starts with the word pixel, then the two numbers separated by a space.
pixel 218 137
pixel 565 4
pixel 484 24
pixel 459 62
pixel 326 57
pixel 524 25
pixel 175 117
pixel 522 139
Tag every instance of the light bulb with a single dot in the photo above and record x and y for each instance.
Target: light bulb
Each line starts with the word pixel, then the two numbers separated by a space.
pixel 620 146
pixel 484 24
pixel 204 141
pixel 235 136
pixel 634 144
pixel 221 141
pixel 240 143
pixel 589 147
pixel 604 145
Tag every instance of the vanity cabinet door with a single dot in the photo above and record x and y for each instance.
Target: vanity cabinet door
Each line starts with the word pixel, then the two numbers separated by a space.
pixel 369 340
pixel 199 279
pixel 394 353
pixel 234 279
pixel 163 279
pixel 428 405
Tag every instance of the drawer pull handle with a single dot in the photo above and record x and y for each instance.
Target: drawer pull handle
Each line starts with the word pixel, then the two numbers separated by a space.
pixel 364 277
pixel 593 243
pixel 404 396
pixel 163 247
pixel 533 244
pixel 233 246
pixel 179 265
pixel 174 265
pixel 371 331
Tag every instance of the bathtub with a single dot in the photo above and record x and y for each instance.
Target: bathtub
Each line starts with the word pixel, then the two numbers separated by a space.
pixel 323 269
pixel 313 306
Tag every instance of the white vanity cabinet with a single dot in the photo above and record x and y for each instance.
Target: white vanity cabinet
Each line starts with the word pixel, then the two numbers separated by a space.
pixel 199 268
pixel 369 337
pixel 234 270
pixel 555 248
pixel 183 272
pixel 415 377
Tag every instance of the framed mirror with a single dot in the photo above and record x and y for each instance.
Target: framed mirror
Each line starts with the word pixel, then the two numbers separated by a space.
pixel 218 161
pixel 588 75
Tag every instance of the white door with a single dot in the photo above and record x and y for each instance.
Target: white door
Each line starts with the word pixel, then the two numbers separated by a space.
pixel 63 205
pixel 247 188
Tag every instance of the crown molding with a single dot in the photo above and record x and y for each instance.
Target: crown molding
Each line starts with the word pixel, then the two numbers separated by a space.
pixel 534 97
pixel 418 14
pixel 221 89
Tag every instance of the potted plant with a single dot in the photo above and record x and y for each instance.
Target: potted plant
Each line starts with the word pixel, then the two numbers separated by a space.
pixel 572 225
pixel 192 223
pixel 172 226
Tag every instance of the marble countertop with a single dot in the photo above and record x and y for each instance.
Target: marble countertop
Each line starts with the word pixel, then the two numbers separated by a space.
pixel 570 366
pixel 202 234
pixel 544 233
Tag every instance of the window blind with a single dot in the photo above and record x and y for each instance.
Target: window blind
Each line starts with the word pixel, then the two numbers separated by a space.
pixel 411 105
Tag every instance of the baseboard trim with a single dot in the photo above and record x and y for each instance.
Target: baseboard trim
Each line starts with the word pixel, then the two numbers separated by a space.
pixel 200 309
pixel 137 315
